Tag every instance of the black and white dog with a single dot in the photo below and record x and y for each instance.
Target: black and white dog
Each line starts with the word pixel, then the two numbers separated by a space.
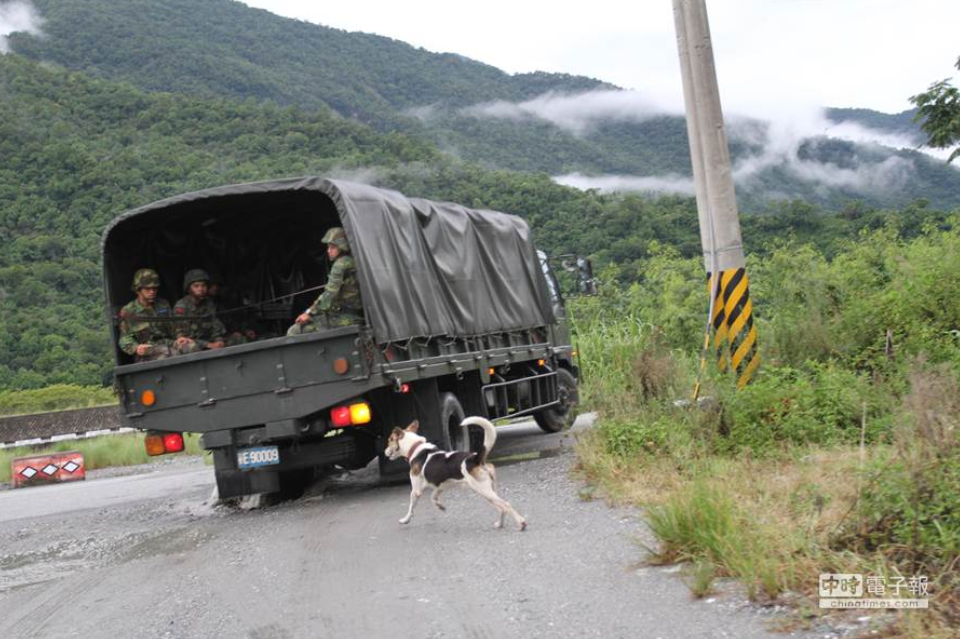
pixel 430 466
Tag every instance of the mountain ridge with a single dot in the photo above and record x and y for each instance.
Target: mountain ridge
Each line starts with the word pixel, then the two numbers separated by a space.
pixel 226 49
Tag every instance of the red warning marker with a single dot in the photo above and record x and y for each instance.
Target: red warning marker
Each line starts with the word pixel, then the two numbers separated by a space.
pixel 52 468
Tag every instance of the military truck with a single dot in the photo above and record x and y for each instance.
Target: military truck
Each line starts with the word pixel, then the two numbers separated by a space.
pixel 461 316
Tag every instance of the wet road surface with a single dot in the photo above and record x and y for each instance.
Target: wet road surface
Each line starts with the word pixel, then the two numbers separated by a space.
pixel 144 555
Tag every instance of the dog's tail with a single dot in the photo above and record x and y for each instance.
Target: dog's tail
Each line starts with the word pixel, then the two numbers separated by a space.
pixel 489 435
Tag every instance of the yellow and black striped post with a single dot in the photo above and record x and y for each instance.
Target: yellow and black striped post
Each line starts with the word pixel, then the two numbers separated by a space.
pixel 735 336
pixel 731 322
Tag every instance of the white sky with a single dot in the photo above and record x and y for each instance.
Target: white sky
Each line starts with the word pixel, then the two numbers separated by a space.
pixel 771 54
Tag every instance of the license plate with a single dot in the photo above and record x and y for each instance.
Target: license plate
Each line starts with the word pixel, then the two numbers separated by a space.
pixel 259 456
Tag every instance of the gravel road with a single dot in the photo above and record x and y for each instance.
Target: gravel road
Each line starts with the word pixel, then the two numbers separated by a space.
pixel 144 556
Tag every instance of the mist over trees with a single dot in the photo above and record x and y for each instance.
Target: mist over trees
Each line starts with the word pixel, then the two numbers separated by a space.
pixel 221 48
pixel 109 111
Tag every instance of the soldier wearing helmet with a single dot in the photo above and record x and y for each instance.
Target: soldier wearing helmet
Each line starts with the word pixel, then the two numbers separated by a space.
pixel 339 304
pixel 142 337
pixel 200 328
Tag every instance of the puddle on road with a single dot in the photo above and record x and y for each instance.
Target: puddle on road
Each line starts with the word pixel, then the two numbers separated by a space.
pixel 509 460
pixel 166 543
pixel 63 558
pixel 53 562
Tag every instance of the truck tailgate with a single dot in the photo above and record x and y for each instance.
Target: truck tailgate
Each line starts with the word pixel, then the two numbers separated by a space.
pixel 270 380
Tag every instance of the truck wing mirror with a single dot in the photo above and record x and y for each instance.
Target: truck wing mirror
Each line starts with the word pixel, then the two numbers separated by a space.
pixel 575 275
pixel 588 284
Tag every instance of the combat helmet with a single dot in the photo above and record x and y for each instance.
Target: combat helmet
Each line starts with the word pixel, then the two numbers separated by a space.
pixel 143 278
pixel 194 275
pixel 336 236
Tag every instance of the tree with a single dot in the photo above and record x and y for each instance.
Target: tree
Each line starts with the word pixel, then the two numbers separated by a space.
pixel 939 110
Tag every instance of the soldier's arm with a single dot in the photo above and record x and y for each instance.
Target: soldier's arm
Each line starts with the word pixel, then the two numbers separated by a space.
pixel 332 290
pixel 127 341
pixel 181 328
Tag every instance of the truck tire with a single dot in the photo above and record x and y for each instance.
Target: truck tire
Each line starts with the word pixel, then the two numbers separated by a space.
pixel 561 416
pixel 451 414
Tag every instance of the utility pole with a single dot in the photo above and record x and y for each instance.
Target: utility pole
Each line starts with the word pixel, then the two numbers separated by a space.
pixel 731 312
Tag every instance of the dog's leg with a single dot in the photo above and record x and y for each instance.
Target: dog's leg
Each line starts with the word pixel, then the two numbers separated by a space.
pixel 484 487
pixel 416 490
pixel 493 475
pixel 435 498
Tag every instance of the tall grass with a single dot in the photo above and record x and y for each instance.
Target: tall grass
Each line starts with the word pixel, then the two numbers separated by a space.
pixel 769 484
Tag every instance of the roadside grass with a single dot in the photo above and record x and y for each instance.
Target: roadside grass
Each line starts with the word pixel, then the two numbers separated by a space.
pixel 99 452
pixel 732 488
pixel 766 522
pixel 775 525
pixel 841 456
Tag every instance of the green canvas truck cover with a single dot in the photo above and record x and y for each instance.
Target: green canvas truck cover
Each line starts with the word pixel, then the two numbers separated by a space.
pixel 425 268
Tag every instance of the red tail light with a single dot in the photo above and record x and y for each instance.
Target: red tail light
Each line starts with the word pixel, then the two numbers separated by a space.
pixel 173 442
pixel 350 415
pixel 340 416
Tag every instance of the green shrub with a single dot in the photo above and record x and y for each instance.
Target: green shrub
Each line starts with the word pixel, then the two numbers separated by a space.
pixel 819 404
pixel 703 523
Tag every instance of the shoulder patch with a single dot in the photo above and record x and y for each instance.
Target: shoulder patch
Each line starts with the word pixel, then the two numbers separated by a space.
pixel 180 310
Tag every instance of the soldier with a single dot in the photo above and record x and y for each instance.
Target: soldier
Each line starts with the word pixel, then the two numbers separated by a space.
pixel 201 329
pixel 339 304
pixel 140 337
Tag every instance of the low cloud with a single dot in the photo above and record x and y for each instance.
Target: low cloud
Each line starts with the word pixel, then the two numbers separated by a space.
pixel 18 16
pixel 426 113
pixel 770 137
pixel 362 175
pixel 781 143
pixel 577 113
pixel 675 184
pixel 785 140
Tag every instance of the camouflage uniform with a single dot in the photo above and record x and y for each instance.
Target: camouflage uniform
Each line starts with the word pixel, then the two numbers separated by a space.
pixel 136 327
pixel 200 323
pixel 339 304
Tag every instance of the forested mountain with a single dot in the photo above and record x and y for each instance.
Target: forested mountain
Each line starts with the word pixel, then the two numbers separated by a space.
pixel 77 151
pixel 896 123
pixel 221 48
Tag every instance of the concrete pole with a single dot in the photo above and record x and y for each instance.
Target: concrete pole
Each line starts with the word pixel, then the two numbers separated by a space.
pixel 730 315
pixel 710 156
pixel 707 235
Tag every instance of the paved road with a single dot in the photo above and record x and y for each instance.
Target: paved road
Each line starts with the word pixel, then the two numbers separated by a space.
pixel 143 556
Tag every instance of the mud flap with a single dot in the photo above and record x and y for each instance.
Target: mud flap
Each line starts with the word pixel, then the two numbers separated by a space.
pixel 237 483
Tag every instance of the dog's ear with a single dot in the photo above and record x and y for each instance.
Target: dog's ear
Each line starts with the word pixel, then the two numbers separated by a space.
pixel 414 426
pixel 397 433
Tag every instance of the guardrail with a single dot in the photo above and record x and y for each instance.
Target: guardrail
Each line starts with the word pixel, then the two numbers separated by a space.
pixel 42 428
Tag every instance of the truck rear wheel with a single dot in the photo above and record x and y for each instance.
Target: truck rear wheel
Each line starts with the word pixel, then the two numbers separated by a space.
pixel 451 414
pixel 562 415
